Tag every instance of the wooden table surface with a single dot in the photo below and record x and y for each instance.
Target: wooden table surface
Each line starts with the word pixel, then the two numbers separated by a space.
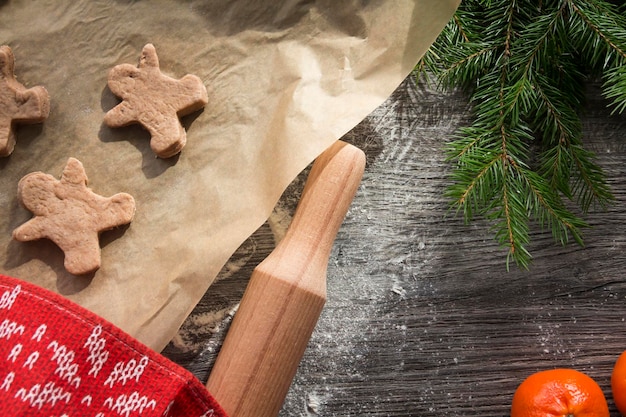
pixel 422 318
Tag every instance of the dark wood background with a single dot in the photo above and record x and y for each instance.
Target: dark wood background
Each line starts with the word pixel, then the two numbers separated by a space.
pixel 422 317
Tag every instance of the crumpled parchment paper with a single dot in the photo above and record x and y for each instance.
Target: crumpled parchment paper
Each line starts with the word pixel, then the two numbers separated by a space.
pixel 285 80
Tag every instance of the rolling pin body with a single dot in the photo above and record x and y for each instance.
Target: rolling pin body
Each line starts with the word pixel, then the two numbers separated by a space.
pixel 286 293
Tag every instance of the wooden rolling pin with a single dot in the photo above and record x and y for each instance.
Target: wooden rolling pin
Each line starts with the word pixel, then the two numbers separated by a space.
pixel 286 294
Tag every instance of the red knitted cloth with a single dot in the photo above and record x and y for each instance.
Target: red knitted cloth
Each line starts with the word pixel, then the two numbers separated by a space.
pixel 59 360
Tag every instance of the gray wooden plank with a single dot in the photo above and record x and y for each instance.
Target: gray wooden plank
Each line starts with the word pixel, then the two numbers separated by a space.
pixel 422 317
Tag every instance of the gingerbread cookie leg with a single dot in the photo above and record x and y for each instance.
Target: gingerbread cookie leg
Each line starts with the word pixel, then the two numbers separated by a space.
pixel 18 105
pixel 155 101
pixel 161 134
pixel 71 215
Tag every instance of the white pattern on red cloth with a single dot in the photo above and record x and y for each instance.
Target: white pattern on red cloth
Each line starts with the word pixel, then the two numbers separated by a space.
pixel 58 359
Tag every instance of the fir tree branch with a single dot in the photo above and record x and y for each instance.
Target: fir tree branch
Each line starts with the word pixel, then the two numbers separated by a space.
pixel 524 65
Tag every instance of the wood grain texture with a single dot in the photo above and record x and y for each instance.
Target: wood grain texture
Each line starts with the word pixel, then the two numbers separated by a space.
pixel 422 318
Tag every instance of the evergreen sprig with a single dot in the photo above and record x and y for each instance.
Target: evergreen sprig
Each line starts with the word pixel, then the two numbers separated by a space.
pixel 524 65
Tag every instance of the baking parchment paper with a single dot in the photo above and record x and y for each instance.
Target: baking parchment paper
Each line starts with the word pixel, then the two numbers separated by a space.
pixel 285 80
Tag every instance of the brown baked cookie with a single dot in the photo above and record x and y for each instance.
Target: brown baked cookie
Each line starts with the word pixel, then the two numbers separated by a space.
pixel 155 101
pixel 18 104
pixel 70 214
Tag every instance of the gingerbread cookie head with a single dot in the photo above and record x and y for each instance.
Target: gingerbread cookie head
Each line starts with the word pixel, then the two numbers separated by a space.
pixel 18 104
pixel 155 101
pixel 67 212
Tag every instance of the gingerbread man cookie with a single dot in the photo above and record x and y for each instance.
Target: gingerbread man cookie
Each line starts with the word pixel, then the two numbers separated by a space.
pixel 18 104
pixel 155 101
pixel 71 215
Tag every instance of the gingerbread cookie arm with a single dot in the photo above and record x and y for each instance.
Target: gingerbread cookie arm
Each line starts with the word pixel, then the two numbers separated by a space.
pixel 120 115
pixel 117 210
pixel 195 94
pixel 33 229
pixel 33 105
